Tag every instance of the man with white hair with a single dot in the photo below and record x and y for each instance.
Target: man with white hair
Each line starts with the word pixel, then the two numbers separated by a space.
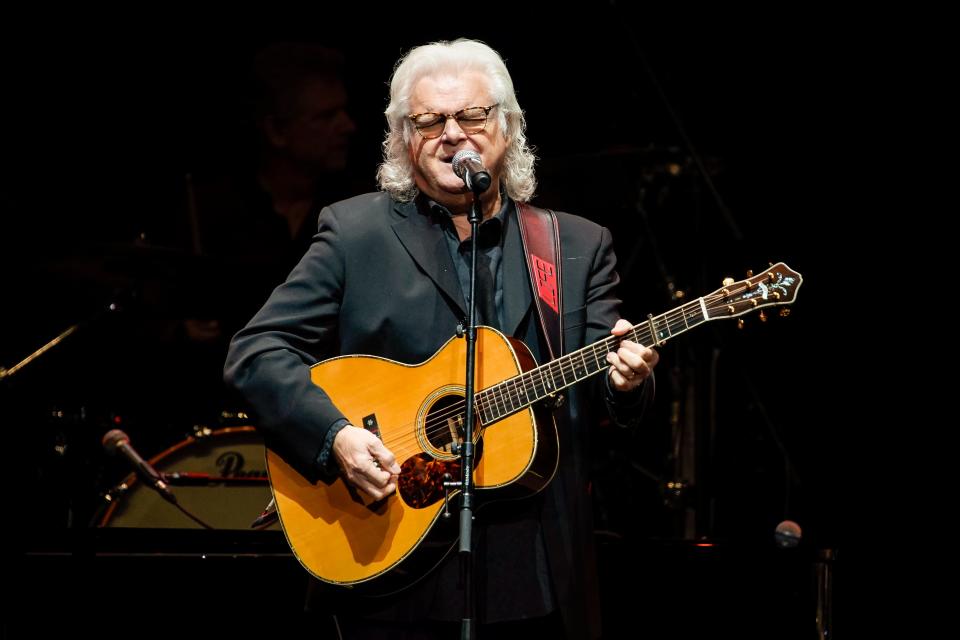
pixel 387 275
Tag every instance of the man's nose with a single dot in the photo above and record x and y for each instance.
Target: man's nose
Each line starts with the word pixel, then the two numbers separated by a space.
pixel 452 130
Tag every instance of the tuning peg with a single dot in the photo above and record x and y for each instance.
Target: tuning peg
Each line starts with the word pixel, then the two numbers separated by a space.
pixel 740 323
pixel 749 273
pixel 763 316
pixel 784 312
pixel 728 281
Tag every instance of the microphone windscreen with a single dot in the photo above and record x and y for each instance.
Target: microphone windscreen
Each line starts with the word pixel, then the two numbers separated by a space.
pixel 113 438
pixel 460 156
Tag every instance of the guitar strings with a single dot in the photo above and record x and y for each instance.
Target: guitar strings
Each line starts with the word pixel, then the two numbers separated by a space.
pixel 437 423
pixel 487 402
pixel 486 399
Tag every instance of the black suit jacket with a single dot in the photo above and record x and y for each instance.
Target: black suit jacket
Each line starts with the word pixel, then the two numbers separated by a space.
pixel 378 279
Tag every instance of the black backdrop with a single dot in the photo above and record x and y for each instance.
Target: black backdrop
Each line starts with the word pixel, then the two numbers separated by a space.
pixel 105 124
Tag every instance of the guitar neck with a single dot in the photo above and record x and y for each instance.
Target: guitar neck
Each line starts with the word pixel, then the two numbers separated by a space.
pixel 517 393
pixel 775 286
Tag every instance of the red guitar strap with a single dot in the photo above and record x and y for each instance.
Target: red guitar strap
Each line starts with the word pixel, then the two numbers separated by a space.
pixel 541 245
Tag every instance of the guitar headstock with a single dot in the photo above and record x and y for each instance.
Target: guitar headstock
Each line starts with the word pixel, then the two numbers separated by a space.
pixel 777 285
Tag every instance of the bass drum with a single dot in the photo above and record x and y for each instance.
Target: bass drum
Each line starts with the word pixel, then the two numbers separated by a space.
pixel 219 476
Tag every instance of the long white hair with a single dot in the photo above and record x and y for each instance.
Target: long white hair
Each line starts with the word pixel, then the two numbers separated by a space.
pixel 395 175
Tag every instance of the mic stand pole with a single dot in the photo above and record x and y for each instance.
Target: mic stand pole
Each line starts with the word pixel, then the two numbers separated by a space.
pixel 468 623
pixel 6 373
pixel 63 335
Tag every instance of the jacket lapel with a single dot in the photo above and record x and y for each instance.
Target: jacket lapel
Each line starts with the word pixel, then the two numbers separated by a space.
pixel 425 243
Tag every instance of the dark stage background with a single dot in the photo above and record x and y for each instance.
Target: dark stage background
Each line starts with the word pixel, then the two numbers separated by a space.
pixel 107 123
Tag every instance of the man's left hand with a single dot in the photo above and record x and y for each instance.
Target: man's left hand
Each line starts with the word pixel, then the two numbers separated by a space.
pixel 631 363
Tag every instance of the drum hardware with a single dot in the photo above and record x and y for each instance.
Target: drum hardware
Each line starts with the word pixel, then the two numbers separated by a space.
pixel 193 478
pixel 234 418
pixel 60 337
pixel 218 474
pixel 116 441
pixel 6 373
pixel 267 517
pixel 118 300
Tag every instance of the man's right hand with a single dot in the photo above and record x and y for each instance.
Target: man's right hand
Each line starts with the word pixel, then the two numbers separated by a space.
pixel 366 463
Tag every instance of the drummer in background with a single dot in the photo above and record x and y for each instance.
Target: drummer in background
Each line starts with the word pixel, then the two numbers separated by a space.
pixel 255 222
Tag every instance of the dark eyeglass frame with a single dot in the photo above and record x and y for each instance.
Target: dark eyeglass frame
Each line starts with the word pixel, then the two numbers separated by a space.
pixel 446 116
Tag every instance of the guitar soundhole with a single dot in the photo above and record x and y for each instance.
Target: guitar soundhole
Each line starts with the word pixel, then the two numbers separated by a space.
pixel 421 479
pixel 443 425
pixel 421 476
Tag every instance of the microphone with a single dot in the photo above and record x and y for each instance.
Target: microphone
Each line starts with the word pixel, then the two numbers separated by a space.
pixel 116 440
pixel 788 534
pixel 468 166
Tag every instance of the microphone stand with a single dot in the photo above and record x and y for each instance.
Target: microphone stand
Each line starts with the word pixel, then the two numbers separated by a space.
pixel 468 623
pixel 6 373
pixel 63 335
pixel 116 304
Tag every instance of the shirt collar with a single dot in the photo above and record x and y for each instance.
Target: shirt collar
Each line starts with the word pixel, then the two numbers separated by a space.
pixel 491 230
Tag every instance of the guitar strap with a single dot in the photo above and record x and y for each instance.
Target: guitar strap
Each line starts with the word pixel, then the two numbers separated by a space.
pixel 541 244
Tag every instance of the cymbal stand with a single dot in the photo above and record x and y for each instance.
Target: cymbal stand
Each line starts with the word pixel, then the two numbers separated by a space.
pixel 63 335
pixel 6 373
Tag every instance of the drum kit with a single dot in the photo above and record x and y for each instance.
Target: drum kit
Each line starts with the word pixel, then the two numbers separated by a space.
pixel 215 471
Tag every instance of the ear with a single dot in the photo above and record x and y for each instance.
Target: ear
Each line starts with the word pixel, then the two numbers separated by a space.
pixel 274 132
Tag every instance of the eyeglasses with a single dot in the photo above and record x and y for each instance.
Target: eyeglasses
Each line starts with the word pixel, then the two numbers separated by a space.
pixel 431 125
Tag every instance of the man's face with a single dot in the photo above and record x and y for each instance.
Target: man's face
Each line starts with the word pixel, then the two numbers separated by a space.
pixel 317 132
pixel 433 172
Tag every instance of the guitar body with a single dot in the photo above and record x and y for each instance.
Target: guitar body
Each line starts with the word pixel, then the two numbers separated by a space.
pixel 339 534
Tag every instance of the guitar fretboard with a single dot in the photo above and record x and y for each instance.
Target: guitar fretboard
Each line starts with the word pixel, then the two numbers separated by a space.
pixel 517 393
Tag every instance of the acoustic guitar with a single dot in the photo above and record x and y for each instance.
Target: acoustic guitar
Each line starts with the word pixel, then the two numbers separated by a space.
pixel 343 537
